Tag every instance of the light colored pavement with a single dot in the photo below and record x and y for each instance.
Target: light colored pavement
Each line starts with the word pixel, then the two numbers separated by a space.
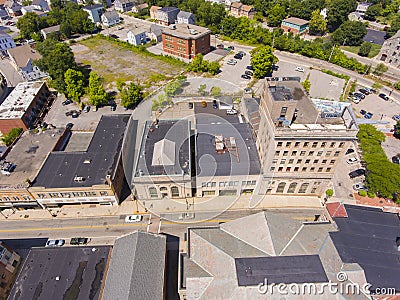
pixel 391 146
pixel 233 73
pixel 325 86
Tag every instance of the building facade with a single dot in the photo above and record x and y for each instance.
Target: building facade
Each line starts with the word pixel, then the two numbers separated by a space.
pixel 95 11
pixel 6 42
pixel 137 36
pixel 167 15
pixel 123 5
pixel 186 18
pixel 154 12
pixel 186 41
pixel 299 146
pixel 9 262
pixel 295 25
pixel 110 18
pixel 390 52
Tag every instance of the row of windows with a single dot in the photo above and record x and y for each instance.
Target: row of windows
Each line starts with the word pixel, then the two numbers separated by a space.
pixel 292 188
pixel 71 194
pixel 313 144
pixel 15 198
pixel 300 161
pixel 168 38
pixel 228 183
pixel 153 191
pixel 303 169
pixel 169 46
pixel 310 153
pixel 181 49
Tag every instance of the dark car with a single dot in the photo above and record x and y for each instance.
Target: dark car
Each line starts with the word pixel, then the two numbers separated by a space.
pixel 359 95
pixel 79 241
pixel 250 73
pixel 75 114
pixel 113 107
pixel 190 105
pixel 275 68
pixel 231 47
pixel 349 151
pixel 69 126
pixel 244 76
pixel 356 173
pixel 368 115
pixel 396 159
pixel 250 68
pixel 215 104
pixel 220 46
pixel 242 53
pixel 66 102
pixel 384 96
pixel 69 113
pixel 364 91
pixel 363 112
pixel 238 56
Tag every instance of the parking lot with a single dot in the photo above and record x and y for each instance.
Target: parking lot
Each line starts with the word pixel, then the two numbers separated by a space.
pixel 233 73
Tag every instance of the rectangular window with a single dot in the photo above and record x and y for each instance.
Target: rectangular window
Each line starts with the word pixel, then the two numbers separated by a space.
pixel 285 153
pixel 296 169
pixel 283 161
pixel 332 145
pixel 323 144
pixel 294 152
pixel 328 169
pixel 319 153
pixel 314 144
pixel 312 169
pixel 332 162
pixel 280 169
pixel 297 144
pixel 299 161
pixel 274 161
pixel 341 144
pixel 311 153
pixel 288 169
pixel 272 169
pixel 302 153
pixel 288 144
pixel 222 184
pixel 316 161
pixel 307 161
pixel 328 153
pixel 279 144
pixel 337 153
pixel 306 144
pixel 304 169
pixel 320 169
pixel 291 161
pixel 324 161
pixel 276 153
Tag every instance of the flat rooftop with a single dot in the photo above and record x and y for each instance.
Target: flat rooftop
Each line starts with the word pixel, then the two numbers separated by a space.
pixel 18 101
pixel 186 31
pixel 165 149
pixel 62 273
pixel 28 154
pixel 93 165
pixel 307 112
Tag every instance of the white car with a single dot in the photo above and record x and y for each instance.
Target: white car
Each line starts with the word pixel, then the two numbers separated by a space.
pixel 232 62
pixel 356 100
pixel 352 160
pixel 359 187
pixel 231 111
pixel 133 218
pixel 55 243
pixel 300 69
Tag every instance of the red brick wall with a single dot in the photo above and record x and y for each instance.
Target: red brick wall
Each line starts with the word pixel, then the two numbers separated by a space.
pixel 289 29
pixel 7 124
pixel 200 45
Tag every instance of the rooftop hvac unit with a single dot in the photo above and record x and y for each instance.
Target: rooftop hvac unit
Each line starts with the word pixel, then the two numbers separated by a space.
pixel 78 179
pixel 193 31
pixel 172 26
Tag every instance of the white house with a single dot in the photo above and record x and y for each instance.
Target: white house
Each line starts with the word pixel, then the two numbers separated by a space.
pixel 95 11
pixel 6 42
pixel 185 17
pixel 137 36
pixel 110 18
pixel 155 33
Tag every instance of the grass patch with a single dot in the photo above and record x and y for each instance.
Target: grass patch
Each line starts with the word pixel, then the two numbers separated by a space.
pixel 375 48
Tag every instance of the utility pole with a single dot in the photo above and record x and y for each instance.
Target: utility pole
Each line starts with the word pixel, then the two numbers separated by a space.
pixel 333 48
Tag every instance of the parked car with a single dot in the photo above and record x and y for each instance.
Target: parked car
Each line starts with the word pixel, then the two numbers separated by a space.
pixel 356 173
pixel 66 102
pixel 238 56
pixel 250 73
pixel 113 107
pixel 203 104
pixel 220 46
pixel 371 91
pixel 250 68
pixel 231 111
pixel 75 115
pixel 368 115
pixel 364 91
pixel 86 109
pixel 232 62
pixel 352 160
pixel 299 69
pixel 349 151
pixel 359 95
pixel 396 159
pixel 242 53
pixel 231 47
pixel 363 112
pixel 244 76
pixel 190 105
pixel 384 96
pixel 396 117
pixel 215 104
pixel 359 186
pixel 248 90
pixel 79 241
pixel 133 219
pixel 356 100
pixel 275 68
pixel 55 243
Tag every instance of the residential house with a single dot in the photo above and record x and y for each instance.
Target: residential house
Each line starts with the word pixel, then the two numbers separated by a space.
pixel 22 58
pixel 107 3
pixel 295 25
pixel 238 9
pixel 138 8
pixel 95 11
pixel 3 13
pixel 110 18
pixel 50 30
pixel 155 33
pixel 137 36
pixel 362 8
pixel 13 8
pixel 9 262
pixel 154 12
pixel 390 51
pixel 355 16
pixel 30 8
pixel 6 42
pixel 228 3
pixel 186 41
pixel 235 9
pixel 41 5
pixel 123 5
pixel 167 15
pixel 184 17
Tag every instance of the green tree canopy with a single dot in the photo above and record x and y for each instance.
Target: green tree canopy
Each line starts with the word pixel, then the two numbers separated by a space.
pixel 317 23
pixel 350 33
pixel 29 24
pixel 97 94
pixel 338 11
pixel 262 59
pixel 131 96
pixel 275 15
pixel 373 11
pixel 10 137
pixel 74 84
pixel 57 58
pixel 365 49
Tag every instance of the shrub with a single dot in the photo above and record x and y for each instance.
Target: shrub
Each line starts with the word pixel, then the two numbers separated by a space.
pixel 371 194
pixel 362 193
pixel 10 137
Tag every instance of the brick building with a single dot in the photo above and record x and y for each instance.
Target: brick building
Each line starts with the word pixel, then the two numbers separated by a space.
pixel 186 41
pixel 24 105
pixel 295 25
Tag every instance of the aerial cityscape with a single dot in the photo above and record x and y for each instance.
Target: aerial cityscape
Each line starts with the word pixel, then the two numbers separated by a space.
pixel 199 149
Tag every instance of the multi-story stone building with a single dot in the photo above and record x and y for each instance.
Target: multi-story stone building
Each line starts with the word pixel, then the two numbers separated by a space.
pixel 185 40
pixel 300 145
pixel 390 52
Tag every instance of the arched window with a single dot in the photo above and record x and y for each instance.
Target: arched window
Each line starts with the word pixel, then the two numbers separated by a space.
pixel 153 192
pixel 281 187
pixel 303 188
pixel 292 187
pixel 174 192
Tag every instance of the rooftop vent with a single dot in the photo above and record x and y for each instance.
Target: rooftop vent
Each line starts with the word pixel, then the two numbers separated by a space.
pixel 87 161
pixel 79 179
pixel 172 26
pixel 193 31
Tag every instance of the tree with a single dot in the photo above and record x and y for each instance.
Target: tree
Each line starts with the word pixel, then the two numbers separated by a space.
pixel 97 94
pixel 275 15
pixel 172 87
pixel 397 129
pixel 28 25
pixel 317 23
pixel 132 95
pixel 202 89
pixel 10 137
pixel 373 11
pixel 198 64
pixel 56 59
pixel 350 33
pixel 262 59
pixel 397 85
pixel 394 26
pixel 365 49
pixel 216 91
pixel 338 11
pixel 380 69
pixel 213 68
pixel 307 84
pixel 74 84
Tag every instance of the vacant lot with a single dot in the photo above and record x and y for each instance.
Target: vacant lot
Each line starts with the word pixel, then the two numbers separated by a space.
pixel 112 61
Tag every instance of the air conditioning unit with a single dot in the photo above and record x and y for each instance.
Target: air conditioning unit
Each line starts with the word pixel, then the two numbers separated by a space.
pixel 172 26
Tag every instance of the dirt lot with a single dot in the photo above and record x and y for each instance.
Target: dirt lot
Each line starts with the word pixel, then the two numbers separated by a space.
pixel 112 61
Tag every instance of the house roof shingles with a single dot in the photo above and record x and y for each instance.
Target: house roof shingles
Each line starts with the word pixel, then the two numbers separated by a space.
pixel 23 54
pixel 296 21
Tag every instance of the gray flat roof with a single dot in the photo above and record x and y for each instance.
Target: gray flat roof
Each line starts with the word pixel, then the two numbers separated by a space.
pixel 368 237
pixel 28 154
pixel 252 271
pixel 186 31
pixel 177 134
pixel 79 271
pixel 93 165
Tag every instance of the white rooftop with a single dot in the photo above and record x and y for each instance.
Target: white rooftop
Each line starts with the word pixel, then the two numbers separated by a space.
pixel 164 153
pixel 15 105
